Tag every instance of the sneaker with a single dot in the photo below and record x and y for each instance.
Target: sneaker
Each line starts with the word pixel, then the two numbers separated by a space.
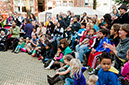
pixel 47 68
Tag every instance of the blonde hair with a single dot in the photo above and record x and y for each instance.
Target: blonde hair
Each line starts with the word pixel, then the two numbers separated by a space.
pixel 93 78
pixel 76 66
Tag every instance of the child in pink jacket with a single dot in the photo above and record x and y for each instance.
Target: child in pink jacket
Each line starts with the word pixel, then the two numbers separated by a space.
pixel 125 70
pixel 57 57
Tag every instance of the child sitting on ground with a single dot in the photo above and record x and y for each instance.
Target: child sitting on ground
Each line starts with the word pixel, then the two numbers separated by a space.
pixel 62 72
pixel 77 72
pixel 34 43
pixel 20 45
pixel 92 80
pixel 41 42
pixel 57 57
pixel 108 75
pixel 27 44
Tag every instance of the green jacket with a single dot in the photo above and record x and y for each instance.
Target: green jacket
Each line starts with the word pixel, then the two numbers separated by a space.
pixel 2 24
pixel 22 45
pixel 65 52
pixel 15 32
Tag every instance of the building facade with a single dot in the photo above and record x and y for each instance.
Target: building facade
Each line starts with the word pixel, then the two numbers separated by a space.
pixel 36 6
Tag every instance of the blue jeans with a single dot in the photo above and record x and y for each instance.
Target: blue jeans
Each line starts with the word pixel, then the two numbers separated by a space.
pixel 81 49
pixel 57 39
pixel 73 37
pixel 69 81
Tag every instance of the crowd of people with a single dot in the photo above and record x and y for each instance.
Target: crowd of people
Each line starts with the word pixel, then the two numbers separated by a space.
pixel 71 45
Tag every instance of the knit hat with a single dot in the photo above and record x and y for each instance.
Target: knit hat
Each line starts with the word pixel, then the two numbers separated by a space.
pixel 123 6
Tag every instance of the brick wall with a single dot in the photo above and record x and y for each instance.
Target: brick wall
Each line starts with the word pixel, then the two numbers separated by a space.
pixel 4 7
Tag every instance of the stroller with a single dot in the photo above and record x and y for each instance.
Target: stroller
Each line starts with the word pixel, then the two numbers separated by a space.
pixel 3 39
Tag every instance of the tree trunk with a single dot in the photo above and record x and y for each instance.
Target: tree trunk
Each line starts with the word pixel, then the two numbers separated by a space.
pixel 28 7
pixel 94 4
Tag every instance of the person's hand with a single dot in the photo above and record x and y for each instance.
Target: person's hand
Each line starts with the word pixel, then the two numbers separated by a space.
pixel 93 50
pixel 31 41
pixel 80 43
pixel 89 47
pixel 112 48
pixel 54 58
pixel 57 72
pixel 58 69
pixel 123 81
pixel 76 39
pixel 103 27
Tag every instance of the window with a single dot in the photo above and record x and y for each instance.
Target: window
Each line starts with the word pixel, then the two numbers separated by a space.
pixel 20 6
pixel 71 3
pixel 64 3
pixel 58 3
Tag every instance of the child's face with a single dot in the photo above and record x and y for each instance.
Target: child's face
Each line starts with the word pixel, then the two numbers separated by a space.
pixel 59 50
pixel 112 32
pixel 106 64
pixel 91 32
pixel 33 36
pixel 82 26
pixel 87 27
pixel 101 35
pixel 66 62
pixel 98 35
pixel 2 33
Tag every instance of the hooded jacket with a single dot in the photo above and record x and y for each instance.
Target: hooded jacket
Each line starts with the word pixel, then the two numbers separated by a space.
pixel 109 77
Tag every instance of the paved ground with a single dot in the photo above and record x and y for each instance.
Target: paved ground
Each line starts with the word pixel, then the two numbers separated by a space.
pixel 22 69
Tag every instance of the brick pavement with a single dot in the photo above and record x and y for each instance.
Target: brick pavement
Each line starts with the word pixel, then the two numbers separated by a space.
pixel 22 69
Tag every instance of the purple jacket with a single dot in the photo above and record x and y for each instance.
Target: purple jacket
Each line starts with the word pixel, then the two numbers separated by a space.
pixel 81 80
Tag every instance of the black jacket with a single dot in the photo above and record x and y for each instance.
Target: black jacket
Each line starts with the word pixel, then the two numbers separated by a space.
pixel 122 19
pixel 75 27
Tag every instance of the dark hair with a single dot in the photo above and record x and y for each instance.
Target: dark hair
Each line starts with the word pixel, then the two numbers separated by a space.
pixel 125 27
pixel 107 18
pixel 27 20
pixel 60 47
pixel 106 55
pixel 33 16
pixel 48 44
pixel 116 27
pixel 104 31
pixel 84 24
pixel 65 42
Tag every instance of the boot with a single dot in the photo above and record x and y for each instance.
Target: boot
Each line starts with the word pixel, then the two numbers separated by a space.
pixel 56 80
pixel 52 82
pixel 53 76
pixel 51 63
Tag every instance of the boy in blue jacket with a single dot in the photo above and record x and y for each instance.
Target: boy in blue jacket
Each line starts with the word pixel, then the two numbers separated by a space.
pixel 92 61
pixel 108 75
